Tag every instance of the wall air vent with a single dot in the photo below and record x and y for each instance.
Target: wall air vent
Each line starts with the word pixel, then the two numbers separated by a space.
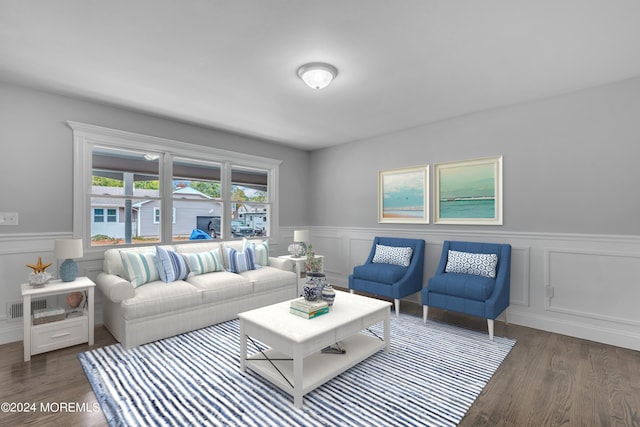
pixel 15 309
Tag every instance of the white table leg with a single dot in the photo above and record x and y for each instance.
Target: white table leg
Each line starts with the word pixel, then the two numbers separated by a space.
pixel 26 315
pixel 243 347
pixel 387 331
pixel 298 370
pixel 91 320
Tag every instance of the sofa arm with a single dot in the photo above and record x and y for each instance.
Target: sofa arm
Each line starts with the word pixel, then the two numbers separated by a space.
pixel 281 263
pixel 115 288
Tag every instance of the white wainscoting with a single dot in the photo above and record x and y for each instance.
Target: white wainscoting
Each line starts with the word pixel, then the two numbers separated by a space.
pixel 587 286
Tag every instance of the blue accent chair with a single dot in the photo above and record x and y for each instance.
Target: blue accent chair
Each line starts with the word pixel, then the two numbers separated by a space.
pixel 388 280
pixel 470 294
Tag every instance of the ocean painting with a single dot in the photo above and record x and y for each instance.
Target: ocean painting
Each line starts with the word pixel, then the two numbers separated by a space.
pixel 402 195
pixel 468 192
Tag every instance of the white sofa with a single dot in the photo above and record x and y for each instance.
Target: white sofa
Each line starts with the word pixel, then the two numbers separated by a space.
pixel 155 310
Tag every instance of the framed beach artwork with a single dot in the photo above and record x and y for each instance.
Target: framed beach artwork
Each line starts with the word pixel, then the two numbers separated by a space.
pixel 402 195
pixel 468 192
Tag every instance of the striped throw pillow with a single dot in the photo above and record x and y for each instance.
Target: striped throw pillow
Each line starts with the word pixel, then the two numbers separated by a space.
pixel 260 250
pixel 204 262
pixel 241 261
pixel 171 265
pixel 139 268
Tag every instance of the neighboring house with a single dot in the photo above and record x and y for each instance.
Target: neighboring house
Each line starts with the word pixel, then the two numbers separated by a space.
pixel 189 212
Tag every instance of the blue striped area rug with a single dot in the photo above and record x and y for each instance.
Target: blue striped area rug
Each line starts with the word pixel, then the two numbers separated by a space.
pixel 431 377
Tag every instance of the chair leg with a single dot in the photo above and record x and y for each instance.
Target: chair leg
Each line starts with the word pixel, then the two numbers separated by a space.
pixel 425 313
pixel 396 302
pixel 490 326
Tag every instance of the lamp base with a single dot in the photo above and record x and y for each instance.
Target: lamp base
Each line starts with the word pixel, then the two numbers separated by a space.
pixel 68 270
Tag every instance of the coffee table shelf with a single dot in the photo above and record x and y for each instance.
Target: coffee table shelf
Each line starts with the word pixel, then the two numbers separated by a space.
pixel 319 367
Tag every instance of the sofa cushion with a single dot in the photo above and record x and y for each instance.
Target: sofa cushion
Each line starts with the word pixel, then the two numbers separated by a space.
pixel 470 263
pixel 240 261
pixel 381 273
pixel 204 262
pixel 159 298
pixel 260 250
pixel 269 278
pixel 394 255
pixel 171 265
pixel 221 286
pixel 139 268
pixel 461 285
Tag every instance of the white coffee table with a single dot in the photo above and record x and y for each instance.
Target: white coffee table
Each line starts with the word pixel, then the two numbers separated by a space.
pixel 294 362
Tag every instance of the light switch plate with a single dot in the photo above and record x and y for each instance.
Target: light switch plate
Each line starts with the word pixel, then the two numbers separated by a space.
pixel 8 218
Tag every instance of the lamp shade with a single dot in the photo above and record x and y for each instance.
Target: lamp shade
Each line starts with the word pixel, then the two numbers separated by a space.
pixel 68 248
pixel 301 236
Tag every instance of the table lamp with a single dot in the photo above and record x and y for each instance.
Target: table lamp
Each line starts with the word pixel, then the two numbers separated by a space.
pixel 67 249
pixel 301 237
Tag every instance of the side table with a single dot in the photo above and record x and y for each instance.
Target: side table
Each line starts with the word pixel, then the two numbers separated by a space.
pixel 300 267
pixel 62 333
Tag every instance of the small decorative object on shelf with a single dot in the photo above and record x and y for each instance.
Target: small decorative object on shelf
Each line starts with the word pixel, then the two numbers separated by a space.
pixel 328 295
pixel 48 315
pixel 296 250
pixel 74 299
pixel 39 277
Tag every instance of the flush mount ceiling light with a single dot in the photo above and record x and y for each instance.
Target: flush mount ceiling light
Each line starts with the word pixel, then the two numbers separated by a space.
pixel 317 75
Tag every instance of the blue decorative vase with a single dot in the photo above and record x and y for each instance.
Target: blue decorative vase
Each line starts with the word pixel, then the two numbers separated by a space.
pixel 68 270
pixel 312 290
pixel 328 294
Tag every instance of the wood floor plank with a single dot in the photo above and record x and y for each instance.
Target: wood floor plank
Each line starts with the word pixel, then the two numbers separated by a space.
pixel 546 380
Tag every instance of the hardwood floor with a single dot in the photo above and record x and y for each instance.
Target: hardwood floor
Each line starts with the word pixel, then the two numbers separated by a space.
pixel 546 380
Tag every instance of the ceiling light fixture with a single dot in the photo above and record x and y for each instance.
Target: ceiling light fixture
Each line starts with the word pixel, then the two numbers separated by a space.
pixel 317 75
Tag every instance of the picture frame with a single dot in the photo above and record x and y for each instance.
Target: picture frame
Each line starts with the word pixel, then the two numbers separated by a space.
pixel 403 195
pixel 468 192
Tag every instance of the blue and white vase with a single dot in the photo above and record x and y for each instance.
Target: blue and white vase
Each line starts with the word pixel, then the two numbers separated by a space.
pixel 313 287
pixel 328 295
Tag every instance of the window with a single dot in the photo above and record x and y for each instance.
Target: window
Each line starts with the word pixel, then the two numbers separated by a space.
pixel 136 189
pixel 249 192
pixel 98 215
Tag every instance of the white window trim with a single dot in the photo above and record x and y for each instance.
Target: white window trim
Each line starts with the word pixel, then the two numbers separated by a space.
pixel 86 135
pixel 173 218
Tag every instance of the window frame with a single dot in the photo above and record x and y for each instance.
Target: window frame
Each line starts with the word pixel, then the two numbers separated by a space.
pixel 86 136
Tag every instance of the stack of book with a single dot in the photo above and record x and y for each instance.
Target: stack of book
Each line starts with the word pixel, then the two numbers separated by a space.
pixel 308 309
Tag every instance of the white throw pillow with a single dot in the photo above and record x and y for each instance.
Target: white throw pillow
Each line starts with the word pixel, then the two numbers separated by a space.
pixel 470 263
pixel 395 255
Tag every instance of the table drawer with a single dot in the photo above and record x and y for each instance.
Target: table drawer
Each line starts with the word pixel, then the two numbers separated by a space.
pixel 55 335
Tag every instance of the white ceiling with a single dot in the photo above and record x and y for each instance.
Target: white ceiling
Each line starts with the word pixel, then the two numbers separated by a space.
pixel 231 64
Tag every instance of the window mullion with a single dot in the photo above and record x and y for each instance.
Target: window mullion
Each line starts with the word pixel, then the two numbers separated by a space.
pixel 226 200
pixel 166 191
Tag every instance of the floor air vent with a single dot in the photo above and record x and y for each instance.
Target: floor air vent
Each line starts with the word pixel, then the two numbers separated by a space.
pixel 15 309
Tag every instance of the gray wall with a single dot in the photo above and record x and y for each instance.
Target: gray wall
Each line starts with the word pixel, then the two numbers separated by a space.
pixel 36 168
pixel 570 163
pixel 37 161
pixel 571 207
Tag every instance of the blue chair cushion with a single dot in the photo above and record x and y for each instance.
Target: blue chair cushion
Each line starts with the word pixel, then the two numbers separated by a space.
pixel 461 285
pixel 381 273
